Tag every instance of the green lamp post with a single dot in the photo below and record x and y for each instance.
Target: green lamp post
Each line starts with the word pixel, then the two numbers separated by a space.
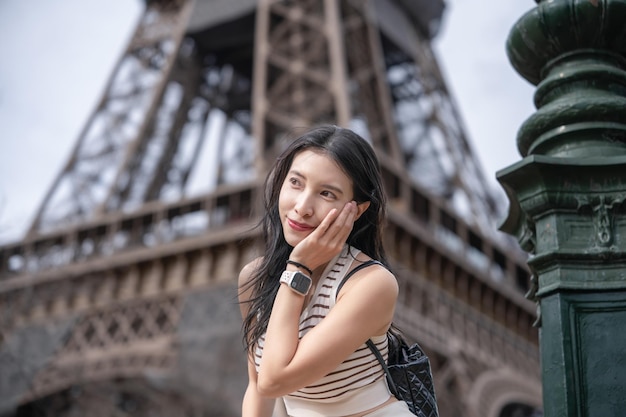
pixel 568 198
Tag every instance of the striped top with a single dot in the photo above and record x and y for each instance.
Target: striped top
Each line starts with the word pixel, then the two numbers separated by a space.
pixel 358 383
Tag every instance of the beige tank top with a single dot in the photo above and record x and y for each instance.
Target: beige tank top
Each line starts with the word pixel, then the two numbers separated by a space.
pixel 358 383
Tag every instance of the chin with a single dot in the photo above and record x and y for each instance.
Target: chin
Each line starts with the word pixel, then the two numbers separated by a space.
pixel 292 238
pixel 293 241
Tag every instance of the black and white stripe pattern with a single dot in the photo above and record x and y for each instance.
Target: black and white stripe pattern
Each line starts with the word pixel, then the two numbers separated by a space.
pixel 361 368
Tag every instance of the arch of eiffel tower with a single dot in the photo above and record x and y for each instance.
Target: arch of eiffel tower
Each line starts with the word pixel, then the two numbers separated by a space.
pixel 121 298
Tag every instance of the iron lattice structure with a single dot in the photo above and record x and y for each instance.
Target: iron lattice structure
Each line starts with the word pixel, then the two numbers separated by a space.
pixel 121 298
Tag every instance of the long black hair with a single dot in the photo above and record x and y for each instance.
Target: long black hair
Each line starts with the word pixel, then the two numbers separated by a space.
pixel 357 159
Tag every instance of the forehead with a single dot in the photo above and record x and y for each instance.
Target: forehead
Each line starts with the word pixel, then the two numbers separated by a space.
pixel 319 166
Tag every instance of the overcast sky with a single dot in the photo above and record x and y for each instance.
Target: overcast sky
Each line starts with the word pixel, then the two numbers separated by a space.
pixel 57 55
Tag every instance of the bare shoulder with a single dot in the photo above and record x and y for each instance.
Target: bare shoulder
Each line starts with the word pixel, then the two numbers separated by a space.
pixel 246 272
pixel 371 293
pixel 380 271
pixel 374 279
pixel 245 289
pixel 383 277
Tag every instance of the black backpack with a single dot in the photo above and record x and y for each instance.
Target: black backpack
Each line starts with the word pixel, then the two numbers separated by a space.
pixel 407 368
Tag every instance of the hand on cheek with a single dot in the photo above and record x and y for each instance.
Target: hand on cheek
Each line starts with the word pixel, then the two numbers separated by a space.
pixel 328 238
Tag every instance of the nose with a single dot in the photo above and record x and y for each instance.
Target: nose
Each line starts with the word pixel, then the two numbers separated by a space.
pixel 304 205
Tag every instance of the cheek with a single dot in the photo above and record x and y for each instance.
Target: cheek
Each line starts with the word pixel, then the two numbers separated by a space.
pixel 325 208
pixel 285 199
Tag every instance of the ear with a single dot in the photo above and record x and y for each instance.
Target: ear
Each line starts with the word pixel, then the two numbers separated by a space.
pixel 361 208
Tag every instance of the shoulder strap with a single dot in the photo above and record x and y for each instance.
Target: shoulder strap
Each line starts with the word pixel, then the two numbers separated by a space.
pixel 357 268
pixel 376 352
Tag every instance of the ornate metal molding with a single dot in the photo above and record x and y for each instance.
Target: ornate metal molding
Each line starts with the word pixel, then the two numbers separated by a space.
pixel 541 37
pixel 575 51
pixel 606 210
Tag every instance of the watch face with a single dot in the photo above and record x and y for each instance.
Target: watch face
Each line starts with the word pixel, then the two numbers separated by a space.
pixel 301 283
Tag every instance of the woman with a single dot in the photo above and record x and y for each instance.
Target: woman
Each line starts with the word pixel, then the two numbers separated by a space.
pixel 325 208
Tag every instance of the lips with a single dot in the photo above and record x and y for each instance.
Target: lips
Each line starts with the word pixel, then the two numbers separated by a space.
pixel 299 227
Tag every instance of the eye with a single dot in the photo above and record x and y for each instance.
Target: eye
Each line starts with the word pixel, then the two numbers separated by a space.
pixel 328 194
pixel 295 182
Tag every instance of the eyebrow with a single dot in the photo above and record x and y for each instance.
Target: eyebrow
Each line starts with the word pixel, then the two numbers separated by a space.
pixel 329 186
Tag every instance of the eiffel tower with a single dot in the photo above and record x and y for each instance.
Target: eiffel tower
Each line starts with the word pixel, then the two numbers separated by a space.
pixel 121 298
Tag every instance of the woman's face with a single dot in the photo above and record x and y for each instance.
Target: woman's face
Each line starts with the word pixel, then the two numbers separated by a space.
pixel 313 186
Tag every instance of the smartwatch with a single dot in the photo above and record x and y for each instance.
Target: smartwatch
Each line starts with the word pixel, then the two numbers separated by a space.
pixel 297 281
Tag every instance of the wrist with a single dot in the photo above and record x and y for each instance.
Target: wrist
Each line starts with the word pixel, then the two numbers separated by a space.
pixel 296 281
pixel 300 266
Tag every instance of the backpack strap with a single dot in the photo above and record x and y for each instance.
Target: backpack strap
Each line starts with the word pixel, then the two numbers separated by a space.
pixel 357 268
pixel 381 360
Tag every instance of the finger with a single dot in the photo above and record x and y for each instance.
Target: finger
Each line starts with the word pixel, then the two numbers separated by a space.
pixel 329 237
pixel 320 237
pixel 341 227
pixel 346 217
pixel 328 221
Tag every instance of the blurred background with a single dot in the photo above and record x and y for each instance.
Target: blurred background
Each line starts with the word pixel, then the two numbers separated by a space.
pixel 57 57
pixel 133 140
